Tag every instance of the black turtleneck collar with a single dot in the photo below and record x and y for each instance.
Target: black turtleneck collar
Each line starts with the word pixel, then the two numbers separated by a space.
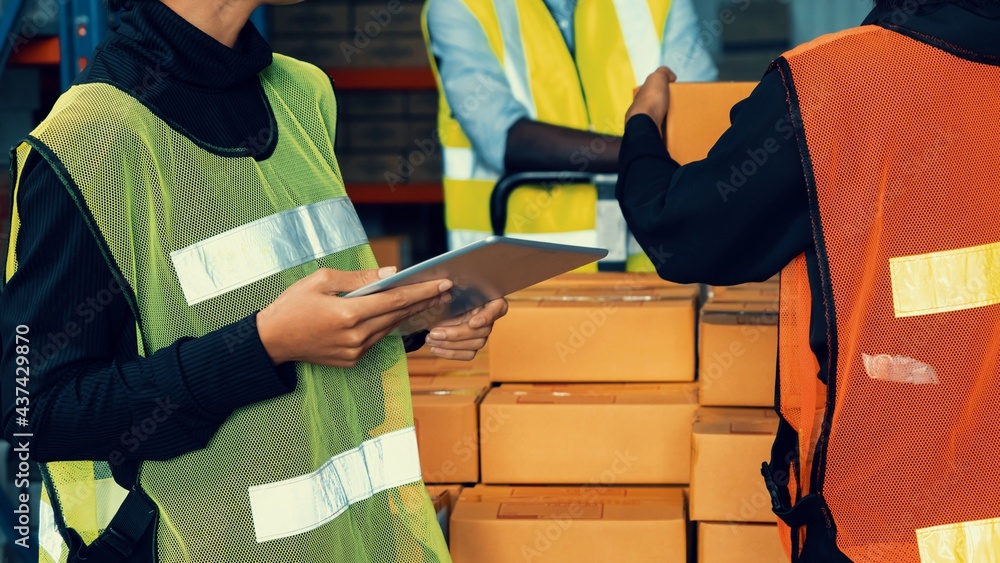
pixel 168 41
pixel 968 32
pixel 204 89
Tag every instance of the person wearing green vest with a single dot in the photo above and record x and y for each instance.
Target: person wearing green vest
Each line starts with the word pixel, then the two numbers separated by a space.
pixel 198 391
pixel 530 85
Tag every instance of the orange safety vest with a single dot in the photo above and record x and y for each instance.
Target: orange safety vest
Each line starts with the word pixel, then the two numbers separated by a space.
pixel 896 457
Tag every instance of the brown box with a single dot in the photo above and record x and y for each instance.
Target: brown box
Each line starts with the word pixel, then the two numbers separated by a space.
pixel 596 335
pixel 756 291
pixel 615 281
pixel 562 525
pixel 444 498
pixel 728 448
pixel 724 542
pixel 738 350
pixel 447 421
pixel 625 434
pixel 392 251
pixel 699 115
pixel 423 361
pixel 314 17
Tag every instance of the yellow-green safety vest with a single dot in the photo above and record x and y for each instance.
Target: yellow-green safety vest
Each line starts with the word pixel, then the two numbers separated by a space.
pixel 618 44
pixel 200 239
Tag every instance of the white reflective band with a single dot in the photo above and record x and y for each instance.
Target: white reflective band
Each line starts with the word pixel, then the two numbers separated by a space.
pixel 641 39
pixel 304 503
pixel 515 65
pixel 633 246
pixel 252 252
pixel 457 238
pixel 110 496
pixel 48 535
pixel 462 164
pixel 612 232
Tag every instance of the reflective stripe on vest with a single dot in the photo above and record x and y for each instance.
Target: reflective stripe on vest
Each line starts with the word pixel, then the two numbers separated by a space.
pixel 209 240
pixel 966 542
pixel 553 96
pixel 252 252
pixel 49 540
pixel 296 505
pixel 907 247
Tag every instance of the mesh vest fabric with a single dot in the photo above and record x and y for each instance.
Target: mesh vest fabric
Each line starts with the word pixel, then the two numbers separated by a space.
pixel 588 90
pixel 899 137
pixel 149 191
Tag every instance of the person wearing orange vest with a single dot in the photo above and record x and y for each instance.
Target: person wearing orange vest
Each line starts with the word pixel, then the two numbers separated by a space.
pixel 861 170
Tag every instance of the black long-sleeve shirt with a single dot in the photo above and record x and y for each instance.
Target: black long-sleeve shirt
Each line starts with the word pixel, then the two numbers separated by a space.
pixel 89 388
pixel 742 214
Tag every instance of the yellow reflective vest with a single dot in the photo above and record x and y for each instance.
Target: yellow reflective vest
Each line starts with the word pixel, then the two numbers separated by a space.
pixel 201 239
pixel 618 44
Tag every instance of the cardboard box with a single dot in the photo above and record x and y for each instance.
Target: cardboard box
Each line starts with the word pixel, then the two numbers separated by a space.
pixel 392 251
pixel 562 525
pixel 728 448
pixel 596 335
pixel 756 291
pixel 720 542
pixel 423 361
pixel 444 498
pixel 624 434
pixel 738 350
pixel 617 281
pixel 699 115
pixel 446 417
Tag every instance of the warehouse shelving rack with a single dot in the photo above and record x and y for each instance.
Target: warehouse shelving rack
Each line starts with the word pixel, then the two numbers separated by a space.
pixel 82 26
pixel 83 23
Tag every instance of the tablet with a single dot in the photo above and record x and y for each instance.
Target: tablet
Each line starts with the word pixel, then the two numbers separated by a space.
pixel 483 271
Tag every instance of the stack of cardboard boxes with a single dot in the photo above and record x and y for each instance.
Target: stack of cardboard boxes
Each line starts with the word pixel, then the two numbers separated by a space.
pixel 582 434
pixel 735 426
pixel 585 435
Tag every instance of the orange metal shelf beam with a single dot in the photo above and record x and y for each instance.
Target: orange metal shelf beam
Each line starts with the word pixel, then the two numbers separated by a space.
pixel 40 52
pixel 403 193
pixel 383 78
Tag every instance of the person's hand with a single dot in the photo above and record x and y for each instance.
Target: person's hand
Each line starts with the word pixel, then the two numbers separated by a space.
pixel 653 98
pixel 462 337
pixel 310 323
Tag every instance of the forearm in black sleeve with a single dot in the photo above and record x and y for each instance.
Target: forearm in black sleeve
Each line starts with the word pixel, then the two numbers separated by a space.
pixel 91 395
pixel 534 146
pixel 738 216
